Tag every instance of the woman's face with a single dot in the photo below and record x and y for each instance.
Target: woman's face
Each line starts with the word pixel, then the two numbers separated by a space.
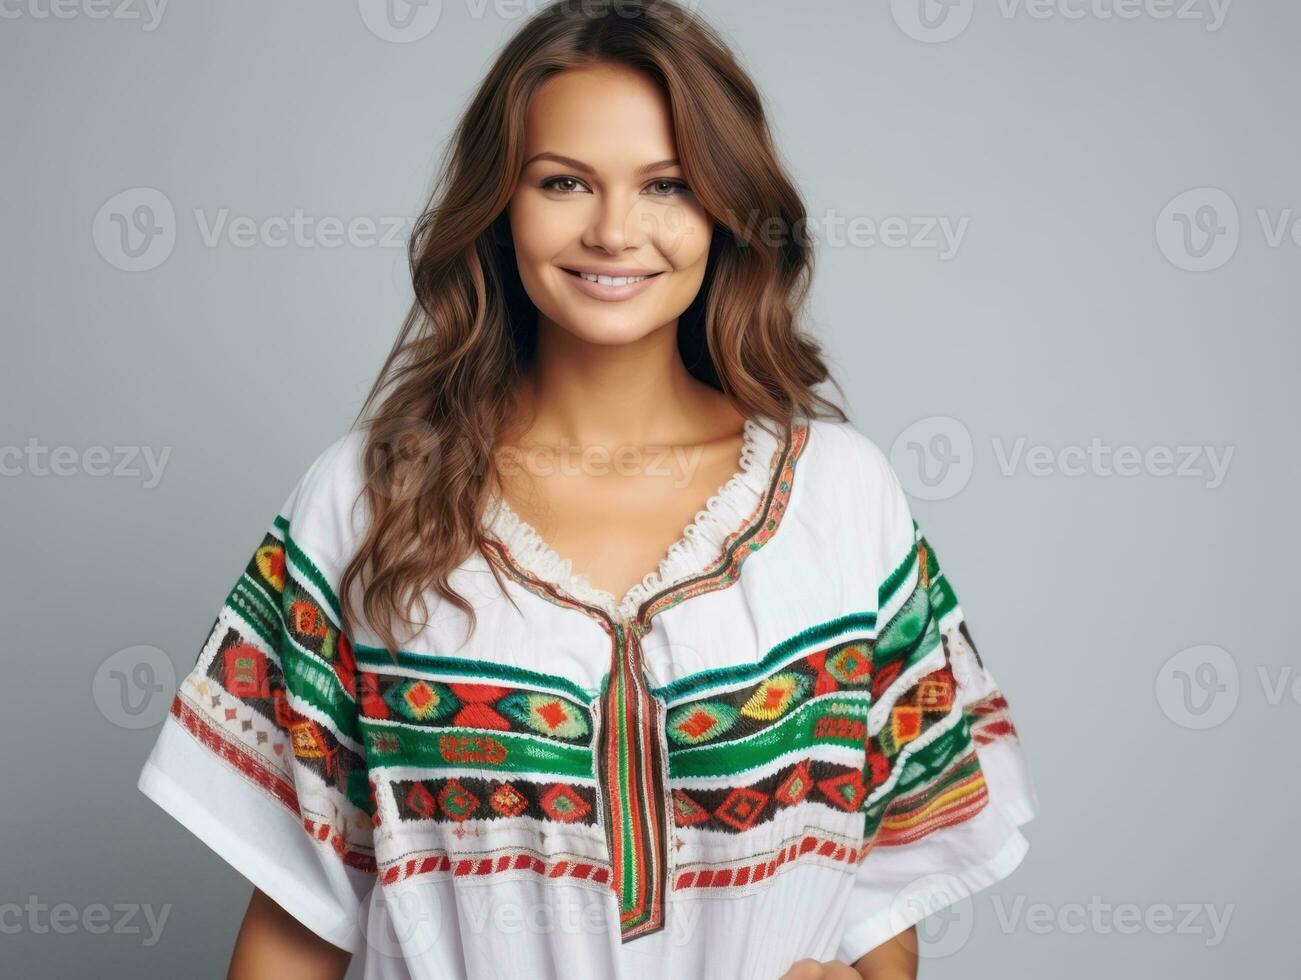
pixel 600 193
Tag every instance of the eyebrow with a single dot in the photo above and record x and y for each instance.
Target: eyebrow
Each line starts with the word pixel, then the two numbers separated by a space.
pixel 587 169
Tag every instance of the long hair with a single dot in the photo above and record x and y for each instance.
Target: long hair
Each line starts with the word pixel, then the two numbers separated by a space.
pixel 444 392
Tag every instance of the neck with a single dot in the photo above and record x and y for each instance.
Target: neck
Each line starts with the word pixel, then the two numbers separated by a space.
pixel 637 392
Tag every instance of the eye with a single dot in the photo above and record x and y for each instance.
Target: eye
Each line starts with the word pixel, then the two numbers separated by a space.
pixel 562 184
pixel 668 188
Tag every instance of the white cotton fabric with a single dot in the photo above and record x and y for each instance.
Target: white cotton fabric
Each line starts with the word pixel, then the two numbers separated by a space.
pixel 271 792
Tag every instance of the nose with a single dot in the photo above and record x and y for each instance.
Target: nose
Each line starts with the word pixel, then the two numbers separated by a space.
pixel 617 223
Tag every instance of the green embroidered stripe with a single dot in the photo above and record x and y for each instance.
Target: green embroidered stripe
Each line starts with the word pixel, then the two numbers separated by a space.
pixel 261 616
pixel 943 599
pixel 312 680
pixel 942 594
pixel 926 764
pixel 379 657
pixel 795 731
pixel 357 789
pixel 930 785
pixel 257 590
pixel 398 745
pixel 306 674
pixel 684 687
pixel 955 773
pixel 308 567
pixel 472 670
pixel 898 578
pixel 911 634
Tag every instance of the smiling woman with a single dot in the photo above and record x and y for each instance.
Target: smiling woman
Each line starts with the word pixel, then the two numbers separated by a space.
pixel 717 718
pixel 602 211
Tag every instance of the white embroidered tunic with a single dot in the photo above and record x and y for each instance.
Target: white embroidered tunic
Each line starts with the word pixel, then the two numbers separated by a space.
pixel 781 743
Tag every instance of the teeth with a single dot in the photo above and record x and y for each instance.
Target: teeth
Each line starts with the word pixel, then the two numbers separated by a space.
pixel 612 280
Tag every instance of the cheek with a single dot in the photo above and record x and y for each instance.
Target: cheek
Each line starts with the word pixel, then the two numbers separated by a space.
pixel 539 233
pixel 682 235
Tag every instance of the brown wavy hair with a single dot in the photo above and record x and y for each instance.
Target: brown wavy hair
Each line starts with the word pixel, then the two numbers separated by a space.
pixel 445 391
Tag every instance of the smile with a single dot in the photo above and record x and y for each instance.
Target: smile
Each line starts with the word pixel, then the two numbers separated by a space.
pixel 605 287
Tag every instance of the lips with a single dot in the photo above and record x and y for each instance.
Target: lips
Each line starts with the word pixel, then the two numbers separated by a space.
pixel 610 291
pixel 635 276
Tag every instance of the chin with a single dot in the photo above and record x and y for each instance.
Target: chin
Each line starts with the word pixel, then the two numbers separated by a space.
pixel 623 328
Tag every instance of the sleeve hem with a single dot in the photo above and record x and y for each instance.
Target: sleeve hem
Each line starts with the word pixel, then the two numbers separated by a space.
pixel 156 784
pixel 929 896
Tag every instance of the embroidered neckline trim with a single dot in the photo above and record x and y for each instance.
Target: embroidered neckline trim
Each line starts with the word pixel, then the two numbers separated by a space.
pixel 699 547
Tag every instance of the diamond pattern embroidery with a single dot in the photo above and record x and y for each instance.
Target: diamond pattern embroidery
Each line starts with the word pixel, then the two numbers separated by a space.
pixel 850 665
pixel 772 698
pixel 561 803
pixel 456 801
pixel 508 801
pixel 742 807
pixel 687 811
pixel 775 696
pixel 473 705
pixel 796 786
pixel 845 791
pixel 546 714
pixel 421 700
pixel 422 801
pixel 693 724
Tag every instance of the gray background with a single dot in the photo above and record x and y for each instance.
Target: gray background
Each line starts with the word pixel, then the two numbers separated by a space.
pixel 1062 318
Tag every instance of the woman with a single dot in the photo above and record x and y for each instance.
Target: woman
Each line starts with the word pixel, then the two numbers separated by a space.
pixel 766 750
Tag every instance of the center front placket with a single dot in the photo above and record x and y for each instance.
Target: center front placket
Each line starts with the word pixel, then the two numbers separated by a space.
pixel 633 777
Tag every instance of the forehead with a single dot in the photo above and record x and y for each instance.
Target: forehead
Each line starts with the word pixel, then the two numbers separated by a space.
pixel 608 116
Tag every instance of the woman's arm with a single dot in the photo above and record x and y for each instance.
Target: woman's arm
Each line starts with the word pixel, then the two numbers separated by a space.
pixel 273 945
pixel 894 959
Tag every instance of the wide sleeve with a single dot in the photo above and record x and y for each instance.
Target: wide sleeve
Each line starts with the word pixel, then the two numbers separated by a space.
pixel 948 785
pixel 260 755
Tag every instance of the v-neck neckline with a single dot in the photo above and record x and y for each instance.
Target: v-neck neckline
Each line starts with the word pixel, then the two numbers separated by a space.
pixel 737 506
